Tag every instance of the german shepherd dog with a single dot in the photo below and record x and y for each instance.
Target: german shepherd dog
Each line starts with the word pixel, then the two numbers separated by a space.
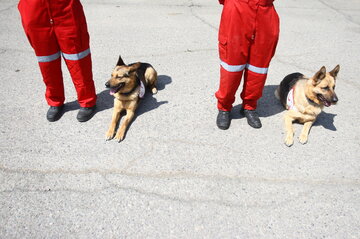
pixel 304 98
pixel 127 84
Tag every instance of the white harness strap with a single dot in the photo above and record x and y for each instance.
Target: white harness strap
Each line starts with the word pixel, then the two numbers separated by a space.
pixel 290 104
pixel 142 90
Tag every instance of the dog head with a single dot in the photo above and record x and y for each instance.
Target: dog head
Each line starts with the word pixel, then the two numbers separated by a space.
pixel 123 77
pixel 322 87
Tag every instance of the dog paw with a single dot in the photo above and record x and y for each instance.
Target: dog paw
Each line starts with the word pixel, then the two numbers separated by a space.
pixel 289 141
pixel 119 137
pixel 303 139
pixel 154 91
pixel 109 135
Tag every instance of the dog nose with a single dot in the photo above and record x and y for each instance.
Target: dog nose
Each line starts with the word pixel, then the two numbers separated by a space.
pixel 107 84
pixel 335 99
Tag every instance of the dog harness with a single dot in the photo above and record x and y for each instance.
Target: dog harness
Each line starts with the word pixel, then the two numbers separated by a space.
pixel 290 104
pixel 142 90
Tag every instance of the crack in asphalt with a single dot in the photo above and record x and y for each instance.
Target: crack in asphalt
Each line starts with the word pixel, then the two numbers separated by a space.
pixel 185 174
pixel 8 8
pixel 192 6
pixel 346 16
pixel 187 51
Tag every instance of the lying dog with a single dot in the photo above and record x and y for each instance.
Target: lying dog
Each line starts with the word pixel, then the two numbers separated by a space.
pixel 304 98
pixel 127 84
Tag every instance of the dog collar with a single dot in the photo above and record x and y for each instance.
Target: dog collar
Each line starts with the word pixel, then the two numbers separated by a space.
pixel 290 103
pixel 142 88
pixel 311 101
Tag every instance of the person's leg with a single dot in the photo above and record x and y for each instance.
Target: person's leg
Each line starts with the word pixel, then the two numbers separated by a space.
pixel 234 39
pixel 39 30
pixel 261 52
pixel 72 35
pixel 234 36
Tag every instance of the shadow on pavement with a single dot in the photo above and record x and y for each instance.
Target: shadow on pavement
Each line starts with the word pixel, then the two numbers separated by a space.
pixel 149 102
pixel 326 120
pixel 267 106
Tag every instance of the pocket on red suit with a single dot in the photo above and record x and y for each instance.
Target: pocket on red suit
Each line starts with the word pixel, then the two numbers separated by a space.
pixel 223 48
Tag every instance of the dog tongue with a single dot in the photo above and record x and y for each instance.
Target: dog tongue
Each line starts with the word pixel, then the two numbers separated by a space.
pixel 112 92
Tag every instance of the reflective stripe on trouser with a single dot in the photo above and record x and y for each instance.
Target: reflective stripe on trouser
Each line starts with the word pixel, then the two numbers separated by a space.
pixel 248 37
pixel 66 32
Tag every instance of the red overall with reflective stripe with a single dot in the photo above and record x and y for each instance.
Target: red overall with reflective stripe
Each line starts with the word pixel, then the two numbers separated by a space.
pixel 55 28
pixel 248 35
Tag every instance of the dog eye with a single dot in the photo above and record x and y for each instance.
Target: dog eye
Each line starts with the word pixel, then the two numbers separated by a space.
pixel 325 88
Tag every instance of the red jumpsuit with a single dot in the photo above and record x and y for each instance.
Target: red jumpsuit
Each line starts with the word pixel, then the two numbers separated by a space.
pixel 55 28
pixel 248 35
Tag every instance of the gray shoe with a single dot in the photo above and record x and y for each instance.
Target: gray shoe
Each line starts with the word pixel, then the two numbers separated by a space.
pixel 223 120
pixel 252 118
pixel 85 113
pixel 54 113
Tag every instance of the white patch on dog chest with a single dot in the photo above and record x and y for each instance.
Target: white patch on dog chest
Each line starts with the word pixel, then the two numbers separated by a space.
pixel 290 104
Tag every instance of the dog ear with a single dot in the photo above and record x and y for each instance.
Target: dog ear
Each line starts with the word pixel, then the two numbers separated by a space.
pixel 319 76
pixel 335 71
pixel 134 66
pixel 120 62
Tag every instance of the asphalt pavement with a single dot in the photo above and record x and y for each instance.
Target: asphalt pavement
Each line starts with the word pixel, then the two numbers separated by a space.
pixel 176 175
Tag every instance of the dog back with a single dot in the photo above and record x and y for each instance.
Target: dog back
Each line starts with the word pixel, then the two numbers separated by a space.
pixel 141 71
pixel 287 84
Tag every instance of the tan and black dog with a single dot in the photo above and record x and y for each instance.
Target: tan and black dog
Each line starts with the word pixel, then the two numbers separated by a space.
pixel 304 98
pixel 127 85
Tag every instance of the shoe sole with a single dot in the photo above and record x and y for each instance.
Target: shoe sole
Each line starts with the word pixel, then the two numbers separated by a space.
pixel 242 112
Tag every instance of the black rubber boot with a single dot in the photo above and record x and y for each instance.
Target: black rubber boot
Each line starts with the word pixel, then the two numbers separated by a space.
pixel 223 119
pixel 85 113
pixel 252 118
pixel 54 113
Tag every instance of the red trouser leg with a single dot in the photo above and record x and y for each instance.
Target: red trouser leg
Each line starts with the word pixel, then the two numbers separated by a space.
pixel 38 29
pixel 73 38
pixel 247 39
pixel 52 76
pixel 234 41
pixel 261 51
pixel 229 83
pixel 81 74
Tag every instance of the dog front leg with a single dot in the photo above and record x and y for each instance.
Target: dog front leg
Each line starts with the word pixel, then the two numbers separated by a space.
pixel 289 130
pixel 115 118
pixel 303 138
pixel 124 125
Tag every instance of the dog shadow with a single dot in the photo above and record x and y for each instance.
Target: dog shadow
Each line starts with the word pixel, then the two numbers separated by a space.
pixel 267 106
pixel 149 102
pixel 326 120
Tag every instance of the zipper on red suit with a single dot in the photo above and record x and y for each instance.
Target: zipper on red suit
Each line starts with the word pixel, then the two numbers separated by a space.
pixel 51 20
pixel 255 6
